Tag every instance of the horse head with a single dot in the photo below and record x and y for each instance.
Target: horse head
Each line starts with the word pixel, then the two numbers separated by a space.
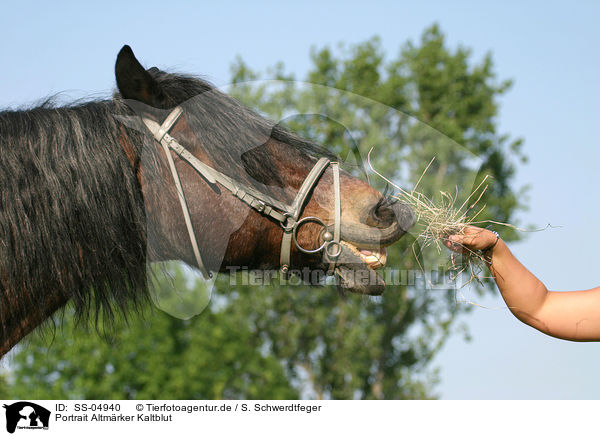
pixel 342 224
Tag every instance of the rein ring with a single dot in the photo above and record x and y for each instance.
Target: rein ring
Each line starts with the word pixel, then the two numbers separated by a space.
pixel 313 219
pixel 328 246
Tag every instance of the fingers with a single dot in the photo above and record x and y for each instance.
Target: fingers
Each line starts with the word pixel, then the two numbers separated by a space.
pixel 454 246
pixel 473 238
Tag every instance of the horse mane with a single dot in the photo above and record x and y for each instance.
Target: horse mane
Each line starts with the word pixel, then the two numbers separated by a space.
pixel 72 217
pixel 72 220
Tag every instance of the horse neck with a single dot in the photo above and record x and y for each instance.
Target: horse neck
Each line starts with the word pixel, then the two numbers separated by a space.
pixel 72 221
pixel 17 328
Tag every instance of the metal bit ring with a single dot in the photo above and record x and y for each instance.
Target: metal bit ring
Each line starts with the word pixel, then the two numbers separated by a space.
pixel 295 231
pixel 337 253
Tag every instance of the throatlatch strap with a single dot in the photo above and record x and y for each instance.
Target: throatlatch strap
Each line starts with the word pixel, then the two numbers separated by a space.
pixel 159 135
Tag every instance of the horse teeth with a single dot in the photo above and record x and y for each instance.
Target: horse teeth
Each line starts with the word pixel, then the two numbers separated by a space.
pixel 372 258
pixel 375 260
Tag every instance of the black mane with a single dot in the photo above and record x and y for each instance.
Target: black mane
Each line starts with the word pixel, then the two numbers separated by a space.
pixel 72 218
pixel 71 212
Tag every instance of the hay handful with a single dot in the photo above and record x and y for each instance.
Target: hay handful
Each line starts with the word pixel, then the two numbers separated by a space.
pixel 436 221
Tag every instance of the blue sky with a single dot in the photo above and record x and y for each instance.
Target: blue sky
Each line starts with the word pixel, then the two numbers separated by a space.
pixel 548 48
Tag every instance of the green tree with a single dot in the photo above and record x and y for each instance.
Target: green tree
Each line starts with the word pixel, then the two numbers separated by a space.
pixel 214 355
pixel 4 387
pixel 283 342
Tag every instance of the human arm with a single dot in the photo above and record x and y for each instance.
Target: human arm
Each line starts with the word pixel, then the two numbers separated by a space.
pixel 573 315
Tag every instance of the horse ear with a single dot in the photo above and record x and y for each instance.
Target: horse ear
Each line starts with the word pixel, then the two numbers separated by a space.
pixel 134 82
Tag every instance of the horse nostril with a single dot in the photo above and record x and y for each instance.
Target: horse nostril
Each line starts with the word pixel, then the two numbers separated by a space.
pixel 382 215
pixel 386 214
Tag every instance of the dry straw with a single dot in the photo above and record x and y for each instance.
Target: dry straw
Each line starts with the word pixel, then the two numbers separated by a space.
pixel 436 221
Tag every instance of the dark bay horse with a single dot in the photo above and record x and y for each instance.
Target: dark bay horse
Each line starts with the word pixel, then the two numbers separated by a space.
pixel 79 199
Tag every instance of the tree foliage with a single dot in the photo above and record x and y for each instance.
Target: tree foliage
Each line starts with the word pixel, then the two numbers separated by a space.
pixel 278 341
pixel 154 356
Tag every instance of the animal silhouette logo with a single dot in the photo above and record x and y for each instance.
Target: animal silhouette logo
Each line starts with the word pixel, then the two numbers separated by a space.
pixel 26 415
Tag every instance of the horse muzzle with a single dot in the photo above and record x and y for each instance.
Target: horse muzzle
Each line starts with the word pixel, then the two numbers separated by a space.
pixel 363 251
pixel 368 236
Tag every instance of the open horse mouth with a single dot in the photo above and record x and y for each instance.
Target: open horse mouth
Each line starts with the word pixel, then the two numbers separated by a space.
pixel 359 261
pixel 356 269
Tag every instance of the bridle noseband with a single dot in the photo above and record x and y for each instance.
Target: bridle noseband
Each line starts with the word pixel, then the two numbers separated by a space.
pixel 288 216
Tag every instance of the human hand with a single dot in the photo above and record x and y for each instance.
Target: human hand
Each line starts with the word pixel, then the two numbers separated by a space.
pixel 473 238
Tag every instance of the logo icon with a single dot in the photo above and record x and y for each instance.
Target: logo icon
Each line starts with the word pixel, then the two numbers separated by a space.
pixel 26 415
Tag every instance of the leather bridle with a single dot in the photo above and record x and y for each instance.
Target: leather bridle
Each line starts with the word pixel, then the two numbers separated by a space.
pixel 287 216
